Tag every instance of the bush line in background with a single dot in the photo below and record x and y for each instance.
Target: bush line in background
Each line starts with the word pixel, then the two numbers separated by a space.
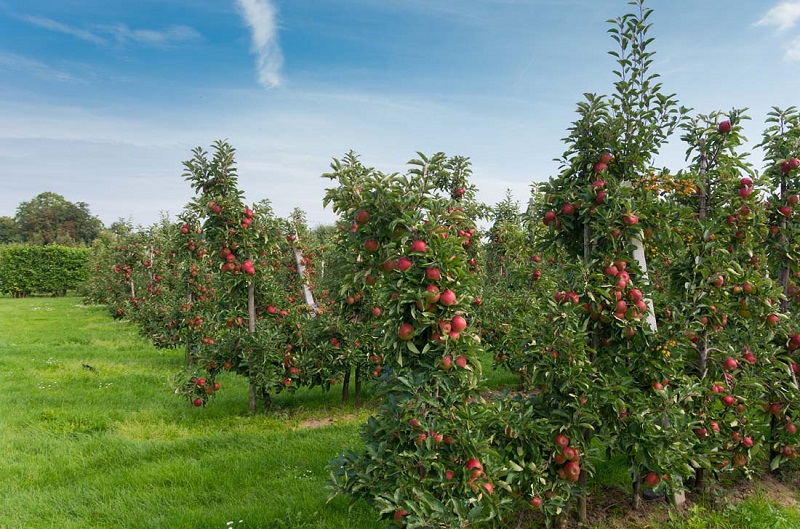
pixel 26 269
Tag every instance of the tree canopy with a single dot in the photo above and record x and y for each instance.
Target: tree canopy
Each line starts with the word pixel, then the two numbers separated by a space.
pixel 49 218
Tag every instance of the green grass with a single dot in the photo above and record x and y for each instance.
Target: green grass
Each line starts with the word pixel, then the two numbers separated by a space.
pixel 110 445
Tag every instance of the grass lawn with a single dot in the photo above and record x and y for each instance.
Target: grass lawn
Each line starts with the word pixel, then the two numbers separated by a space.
pixel 91 436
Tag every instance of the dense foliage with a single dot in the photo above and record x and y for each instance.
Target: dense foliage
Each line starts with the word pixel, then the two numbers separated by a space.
pixel 49 218
pixel 26 270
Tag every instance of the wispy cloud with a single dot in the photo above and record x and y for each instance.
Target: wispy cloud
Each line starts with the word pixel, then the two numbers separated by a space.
pixel 119 33
pixel 259 15
pixel 53 25
pixel 149 37
pixel 784 16
pixel 38 69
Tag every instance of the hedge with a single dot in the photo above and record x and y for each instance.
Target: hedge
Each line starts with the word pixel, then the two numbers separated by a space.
pixel 26 269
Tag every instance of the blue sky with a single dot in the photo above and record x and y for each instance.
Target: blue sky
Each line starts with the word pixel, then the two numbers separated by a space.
pixel 101 100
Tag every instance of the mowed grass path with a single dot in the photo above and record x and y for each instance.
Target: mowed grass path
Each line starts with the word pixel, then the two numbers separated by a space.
pixel 92 436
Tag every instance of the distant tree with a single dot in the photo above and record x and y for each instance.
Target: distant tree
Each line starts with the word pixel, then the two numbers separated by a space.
pixel 50 218
pixel 8 230
pixel 121 227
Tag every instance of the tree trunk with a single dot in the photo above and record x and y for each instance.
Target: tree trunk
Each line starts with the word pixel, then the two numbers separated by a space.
pixel 637 495
pixel 346 387
pixel 358 386
pixel 582 499
pixel 253 399
pixel 251 328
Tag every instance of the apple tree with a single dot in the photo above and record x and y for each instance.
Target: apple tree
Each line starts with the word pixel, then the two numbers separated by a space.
pixel 427 460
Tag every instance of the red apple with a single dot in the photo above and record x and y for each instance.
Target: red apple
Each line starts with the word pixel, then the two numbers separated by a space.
pixel 570 453
pixel 724 126
pixel 629 219
pixel 433 274
pixel 406 331
pixel 362 217
pixel 461 361
pixel 446 362
pixel 729 364
pixel 447 298
pixel 458 323
pixel 419 246
pixel 572 470
pixel 389 265
pixel 651 479
pixel 473 464
pixel 432 294
pixel 404 264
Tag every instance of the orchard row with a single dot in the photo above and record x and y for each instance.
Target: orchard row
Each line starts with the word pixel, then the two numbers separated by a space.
pixel 650 315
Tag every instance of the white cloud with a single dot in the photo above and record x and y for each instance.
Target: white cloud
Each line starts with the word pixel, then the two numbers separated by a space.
pixel 120 33
pixel 53 25
pixel 25 65
pixel 150 37
pixel 784 16
pixel 259 15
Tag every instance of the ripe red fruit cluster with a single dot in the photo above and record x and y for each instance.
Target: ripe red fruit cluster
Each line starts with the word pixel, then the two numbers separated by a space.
pixel 569 457
pixel 248 217
pixel 549 218
pixel 791 164
pixel 602 163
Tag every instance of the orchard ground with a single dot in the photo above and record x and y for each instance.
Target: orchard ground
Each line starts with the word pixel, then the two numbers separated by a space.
pixel 94 437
